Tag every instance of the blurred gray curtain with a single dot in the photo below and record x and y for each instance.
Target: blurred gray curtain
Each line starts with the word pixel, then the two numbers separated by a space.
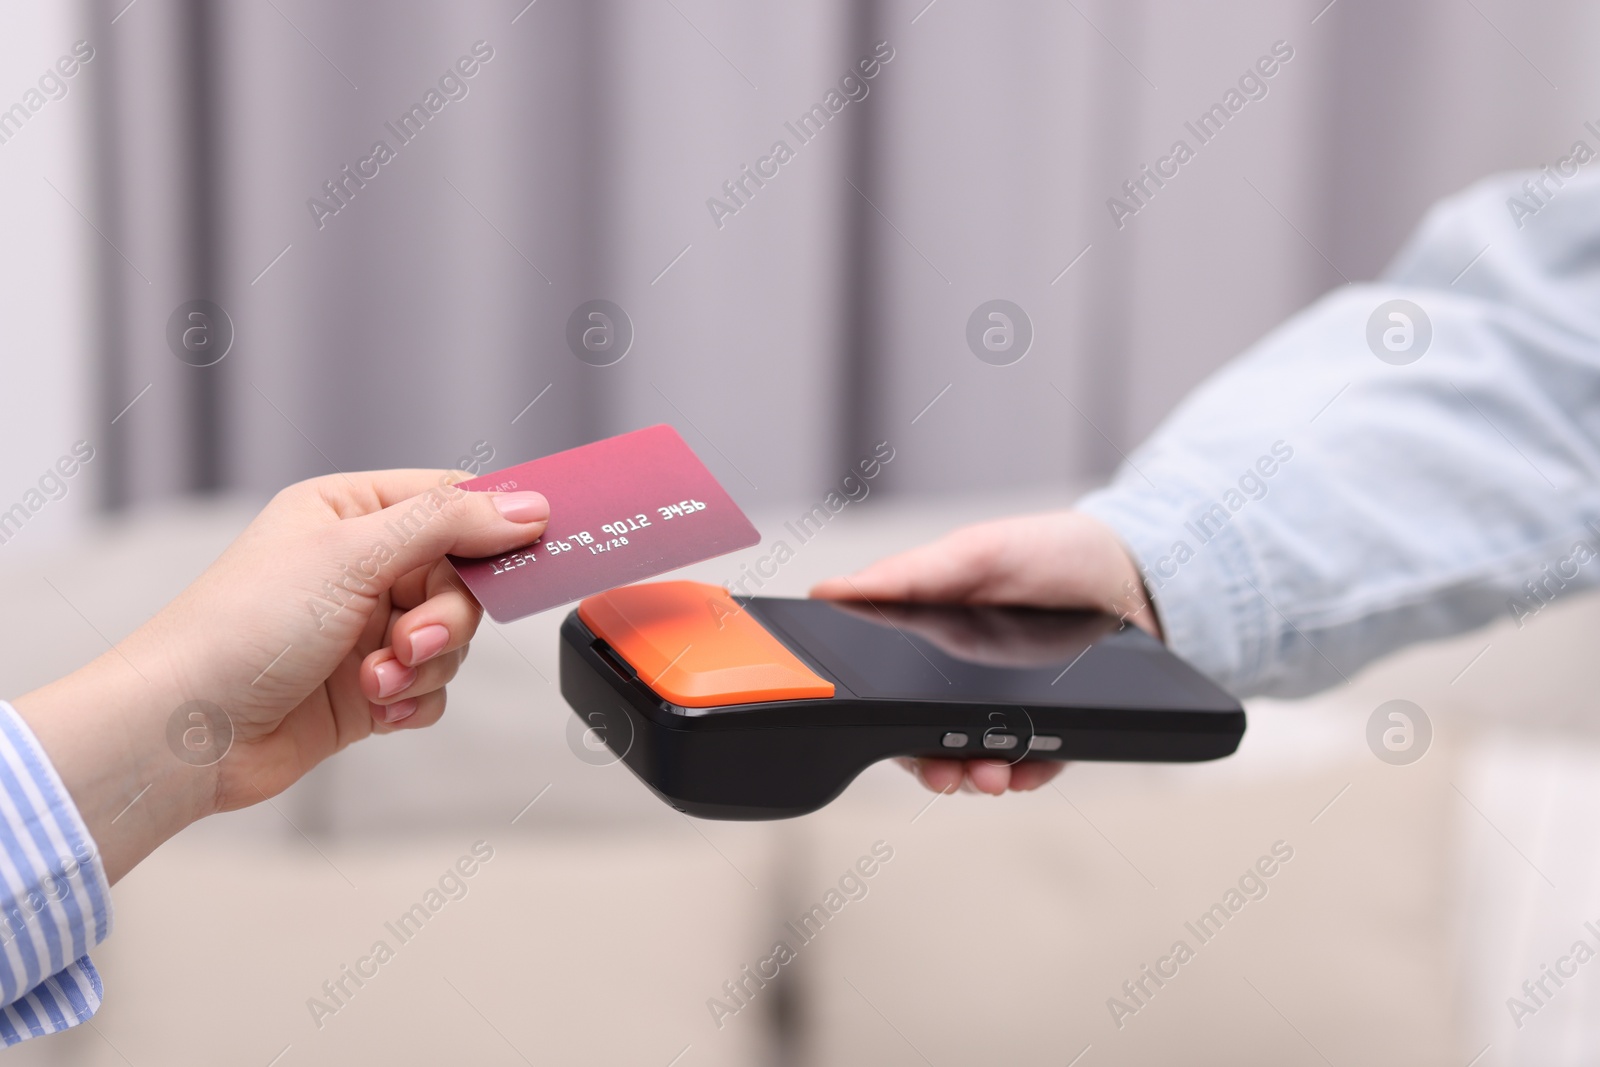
pixel 828 312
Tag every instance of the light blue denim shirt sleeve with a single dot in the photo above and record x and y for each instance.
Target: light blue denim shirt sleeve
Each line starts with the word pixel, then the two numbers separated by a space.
pixel 1311 506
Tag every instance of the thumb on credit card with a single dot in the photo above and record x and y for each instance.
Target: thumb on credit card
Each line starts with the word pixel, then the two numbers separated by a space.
pixel 420 516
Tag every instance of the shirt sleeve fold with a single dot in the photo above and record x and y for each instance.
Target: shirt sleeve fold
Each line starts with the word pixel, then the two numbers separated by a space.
pixel 55 903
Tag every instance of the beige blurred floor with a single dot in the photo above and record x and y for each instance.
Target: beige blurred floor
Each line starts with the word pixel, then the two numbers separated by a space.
pixel 1415 903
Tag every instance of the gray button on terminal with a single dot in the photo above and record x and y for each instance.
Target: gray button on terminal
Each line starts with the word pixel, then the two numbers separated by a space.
pixel 993 740
pixel 954 739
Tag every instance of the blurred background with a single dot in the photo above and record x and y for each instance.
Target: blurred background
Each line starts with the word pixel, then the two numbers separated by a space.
pixel 218 159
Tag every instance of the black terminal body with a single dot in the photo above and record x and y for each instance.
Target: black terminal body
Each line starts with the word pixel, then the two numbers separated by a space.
pixel 909 680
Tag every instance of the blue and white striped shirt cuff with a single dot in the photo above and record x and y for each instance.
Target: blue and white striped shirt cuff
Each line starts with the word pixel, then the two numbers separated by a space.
pixel 54 899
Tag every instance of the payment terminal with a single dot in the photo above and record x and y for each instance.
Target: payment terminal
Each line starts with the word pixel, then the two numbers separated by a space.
pixel 735 707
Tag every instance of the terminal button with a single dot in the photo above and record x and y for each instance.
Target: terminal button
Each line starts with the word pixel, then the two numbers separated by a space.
pixel 1043 743
pixel 954 739
pixel 998 740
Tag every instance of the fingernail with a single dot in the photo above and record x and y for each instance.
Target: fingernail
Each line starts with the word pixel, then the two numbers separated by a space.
pixel 525 506
pixel 400 710
pixel 393 676
pixel 427 642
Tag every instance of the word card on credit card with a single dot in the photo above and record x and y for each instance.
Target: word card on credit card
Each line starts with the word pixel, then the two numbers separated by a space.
pixel 621 510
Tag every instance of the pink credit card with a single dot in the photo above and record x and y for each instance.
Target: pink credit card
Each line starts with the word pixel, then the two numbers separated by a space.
pixel 621 510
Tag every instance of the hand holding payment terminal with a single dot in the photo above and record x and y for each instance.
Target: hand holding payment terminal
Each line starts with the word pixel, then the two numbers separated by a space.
pixel 734 707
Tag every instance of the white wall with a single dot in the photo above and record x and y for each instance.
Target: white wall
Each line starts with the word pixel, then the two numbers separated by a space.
pixel 46 397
